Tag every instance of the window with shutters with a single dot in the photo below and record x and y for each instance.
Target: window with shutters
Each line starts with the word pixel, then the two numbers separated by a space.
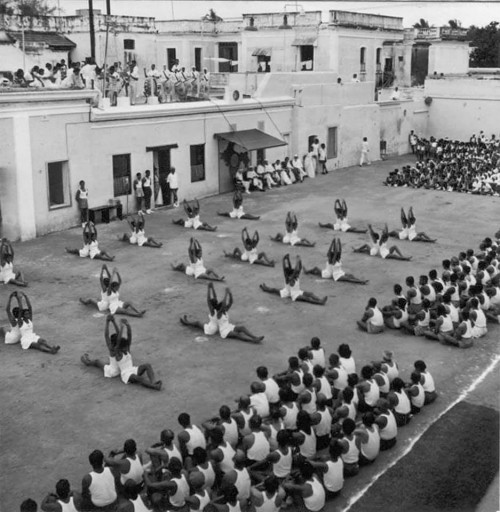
pixel 197 162
pixel 122 185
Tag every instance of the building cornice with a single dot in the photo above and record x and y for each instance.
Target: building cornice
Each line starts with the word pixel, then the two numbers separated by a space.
pixel 187 109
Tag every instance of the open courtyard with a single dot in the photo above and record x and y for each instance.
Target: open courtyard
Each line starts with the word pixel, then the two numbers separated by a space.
pixel 55 411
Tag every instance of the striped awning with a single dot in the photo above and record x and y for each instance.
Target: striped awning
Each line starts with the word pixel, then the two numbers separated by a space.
pixel 305 40
pixel 261 52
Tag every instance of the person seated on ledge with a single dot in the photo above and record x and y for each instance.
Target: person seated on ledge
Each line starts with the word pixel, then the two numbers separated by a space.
pixel 237 212
pixel 341 223
pixel 192 210
pixel 290 236
pixel 333 269
pixel 373 320
pixel 250 253
pixel 196 268
pixel 292 284
pixel 137 235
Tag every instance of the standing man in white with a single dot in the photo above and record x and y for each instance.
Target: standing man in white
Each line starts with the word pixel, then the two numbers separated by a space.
pixel 133 76
pixel 365 149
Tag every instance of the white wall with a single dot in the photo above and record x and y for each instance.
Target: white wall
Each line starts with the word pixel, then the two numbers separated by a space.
pixel 463 106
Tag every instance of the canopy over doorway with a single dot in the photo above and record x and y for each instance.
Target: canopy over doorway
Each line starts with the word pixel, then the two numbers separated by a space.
pixel 233 148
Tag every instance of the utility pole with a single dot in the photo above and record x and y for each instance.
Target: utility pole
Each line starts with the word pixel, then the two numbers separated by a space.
pixel 92 30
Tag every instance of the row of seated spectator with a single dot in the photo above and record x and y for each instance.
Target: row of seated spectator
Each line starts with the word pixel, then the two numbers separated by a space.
pixel 470 167
pixel 293 439
pixel 266 176
pixel 454 308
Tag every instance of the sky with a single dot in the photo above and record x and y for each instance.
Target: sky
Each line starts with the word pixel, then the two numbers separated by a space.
pixel 438 13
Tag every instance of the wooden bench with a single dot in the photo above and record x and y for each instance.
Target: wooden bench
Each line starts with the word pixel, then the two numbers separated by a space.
pixel 105 212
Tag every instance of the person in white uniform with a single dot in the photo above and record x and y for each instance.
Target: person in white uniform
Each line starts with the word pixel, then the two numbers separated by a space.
pixel 219 319
pixel 28 338
pixel 292 284
pixel 7 273
pixel 378 246
pixel 98 486
pixel 104 280
pixel 237 211
pixel 143 374
pixel 307 490
pixel 110 369
pixel 409 231
pixel 64 499
pixel 14 314
pixel 196 267
pixel 110 300
pixel 341 222
pixel 250 253
pixel 135 502
pixel 290 237
pixel 333 269
pixel 192 210
pixel 137 234
pixel 129 465
pixel 372 321
pixel 91 247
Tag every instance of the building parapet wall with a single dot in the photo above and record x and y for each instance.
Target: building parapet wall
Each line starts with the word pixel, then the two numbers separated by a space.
pixel 69 24
pixel 276 19
pixel 463 88
pixel 369 21
pixel 198 26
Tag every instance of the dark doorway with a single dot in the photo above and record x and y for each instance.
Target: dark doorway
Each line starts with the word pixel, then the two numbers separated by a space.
pixel 197 59
pixel 307 57
pixel 310 141
pixel 171 57
pixel 419 63
pixel 228 51
pixel 161 160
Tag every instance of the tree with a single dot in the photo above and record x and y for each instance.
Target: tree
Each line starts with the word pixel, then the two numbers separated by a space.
pixel 28 8
pixel 5 7
pixel 421 24
pixel 486 44
pixel 454 23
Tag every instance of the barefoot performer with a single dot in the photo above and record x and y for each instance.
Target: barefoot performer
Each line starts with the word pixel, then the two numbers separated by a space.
pixel 7 274
pixel 110 369
pixel 292 284
pixel 250 253
pixel 196 268
pixel 341 224
pixel 192 210
pixel 237 212
pixel 290 236
pixel 218 319
pixel 26 335
pixel 409 231
pixel 112 297
pixel 333 269
pixel 90 245
pixel 138 235
pixel 379 247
